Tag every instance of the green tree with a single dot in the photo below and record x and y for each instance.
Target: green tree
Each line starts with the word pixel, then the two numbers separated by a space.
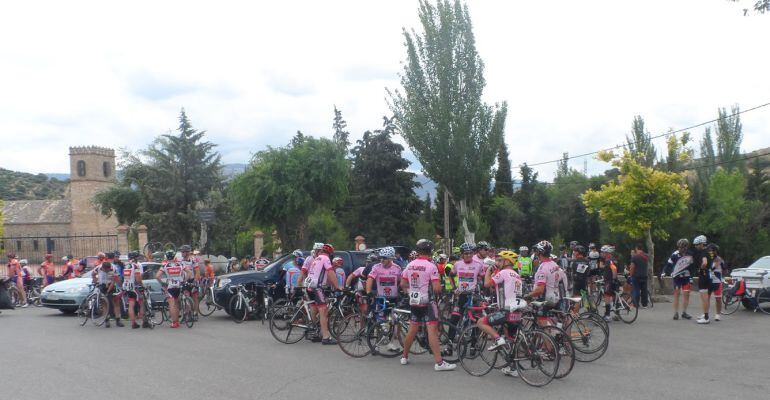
pixel 640 203
pixel 173 176
pixel 503 178
pixel 324 226
pixel 506 222
pixel 440 113
pixel 340 134
pixel 382 205
pixel 2 222
pixel 729 139
pixel 531 199
pixel 284 186
pixel 640 144
pixel 757 186
pixel 562 166
pixel 678 151
pixel 438 216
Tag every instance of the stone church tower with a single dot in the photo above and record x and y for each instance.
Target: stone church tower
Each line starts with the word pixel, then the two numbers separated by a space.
pixel 92 169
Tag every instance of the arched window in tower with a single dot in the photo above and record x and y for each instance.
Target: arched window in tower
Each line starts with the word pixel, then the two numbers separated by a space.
pixel 81 168
pixel 106 169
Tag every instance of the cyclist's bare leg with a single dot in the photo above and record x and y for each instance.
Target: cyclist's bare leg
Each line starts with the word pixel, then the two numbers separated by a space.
pixel 22 291
pixel 718 303
pixel 686 295
pixel 676 300
pixel 433 342
pixel 324 315
pixel 131 313
pixel 173 309
pixel 410 335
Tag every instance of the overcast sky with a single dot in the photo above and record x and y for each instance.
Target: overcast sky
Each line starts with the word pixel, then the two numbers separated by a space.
pixel 574 73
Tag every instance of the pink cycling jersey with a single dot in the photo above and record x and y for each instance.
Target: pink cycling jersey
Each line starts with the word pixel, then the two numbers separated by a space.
pixel 316 273
pixel 508 287
pixel 357 274
pixel 419 274
pixel 548 274
pixel 387 279
pixel 468 275
pixel 308 263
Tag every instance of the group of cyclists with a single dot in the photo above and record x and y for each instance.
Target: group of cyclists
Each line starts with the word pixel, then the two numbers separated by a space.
pixel 20 273
pixel 513 278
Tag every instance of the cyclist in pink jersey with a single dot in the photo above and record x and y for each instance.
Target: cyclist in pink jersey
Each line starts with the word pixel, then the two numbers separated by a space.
pixel 508 287
pixel 321 274
pixel 550 284
pixel 421 280
pixel 469 273
pixel 482 249
pixel 313 254
pixel 386 277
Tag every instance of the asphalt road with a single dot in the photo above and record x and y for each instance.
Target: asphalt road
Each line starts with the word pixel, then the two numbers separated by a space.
pixel 47 355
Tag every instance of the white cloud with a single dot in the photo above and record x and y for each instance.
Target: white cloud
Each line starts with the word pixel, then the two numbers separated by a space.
pixel 253 73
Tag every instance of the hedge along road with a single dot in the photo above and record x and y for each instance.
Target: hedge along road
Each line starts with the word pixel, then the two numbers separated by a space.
pixel 48 355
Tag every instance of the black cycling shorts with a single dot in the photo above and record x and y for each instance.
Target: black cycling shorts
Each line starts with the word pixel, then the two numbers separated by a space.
pixel 174 292
pixel 424 315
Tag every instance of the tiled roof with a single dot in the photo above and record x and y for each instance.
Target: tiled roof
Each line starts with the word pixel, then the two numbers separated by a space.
pixel 37 212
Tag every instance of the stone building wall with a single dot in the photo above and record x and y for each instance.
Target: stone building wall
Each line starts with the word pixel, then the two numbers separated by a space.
pixel 92 169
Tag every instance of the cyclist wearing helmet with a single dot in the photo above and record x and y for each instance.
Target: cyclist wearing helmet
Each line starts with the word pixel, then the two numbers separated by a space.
pixel 441 261
pixel 385 276
pixel 412 256
pixel 107 278
pixel 292 272
pixel 192 270
pixel 581 269
pixel 703 261
pixel 420 279
pixel 357 280
pixel 450 277
pixel 320 274
pixel 610 279
pixel 678 266
pixel 524 265
pixel 132 288
pixel 309 260
pixel 175 276
pixel 69 267
pixel 482 251
pixel 715 270
pixel 470 274
pixel 549 278
pixel 15 273
pixel 507 284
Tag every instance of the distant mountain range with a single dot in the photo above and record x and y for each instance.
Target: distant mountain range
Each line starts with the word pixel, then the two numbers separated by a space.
pixel 23 186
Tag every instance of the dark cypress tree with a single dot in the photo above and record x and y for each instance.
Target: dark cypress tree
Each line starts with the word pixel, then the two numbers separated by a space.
pixel 503 179
pixel 340 134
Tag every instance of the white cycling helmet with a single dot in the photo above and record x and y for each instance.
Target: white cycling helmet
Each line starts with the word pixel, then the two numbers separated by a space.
pixel 23 261
pixel 297 253
pixel 318 246
pixel 523 248
pixel 388 252
pixel 699 240
pixel 607 249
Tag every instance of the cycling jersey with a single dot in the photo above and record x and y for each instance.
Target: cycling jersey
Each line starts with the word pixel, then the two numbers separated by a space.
pixel 316 274
pixel 26 274
pixel 14 269
pixel 190 266
pixel 508 285
pixel 129 276
pixel 419 274
pixel 210 273
pixel 478 260
pixel 308 262
pixel 717 269
pixel 525 266
pixel 105 276
pixel 680 265
pixel 449 276
pixel 582 268
pixel 291 277
pixel 174 275
pixel 387 279
pixel 48 268
pixel 468 274
pixel 358 276
pixel 610 277
pixel 550 275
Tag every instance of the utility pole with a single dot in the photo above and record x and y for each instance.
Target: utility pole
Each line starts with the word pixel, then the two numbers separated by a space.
pixel 447 245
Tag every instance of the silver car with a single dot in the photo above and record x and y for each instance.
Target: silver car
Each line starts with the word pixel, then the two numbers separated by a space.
pixel 67 295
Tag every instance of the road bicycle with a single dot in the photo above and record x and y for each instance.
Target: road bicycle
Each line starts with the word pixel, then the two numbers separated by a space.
pixel 186 306
pixel 208 303
pixel 94 307
pixel 532 352
pixel 291 322
pixel 587 331
pixel 622 304
pixel 736 293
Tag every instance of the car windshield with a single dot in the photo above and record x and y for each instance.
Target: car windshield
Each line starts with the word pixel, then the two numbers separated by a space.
pixel 762 263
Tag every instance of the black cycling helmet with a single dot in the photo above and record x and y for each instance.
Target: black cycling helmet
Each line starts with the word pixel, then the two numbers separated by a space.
pixel 713 247
pixel 373 257
pixel 544 248
pixel 170 255
pixel 482 245
pixel 133 255
pixel 109 254
pixel 185 249
pixel 573 243
pixel 83 263
pixel 580 250
pixel 424 246
pixel 116 253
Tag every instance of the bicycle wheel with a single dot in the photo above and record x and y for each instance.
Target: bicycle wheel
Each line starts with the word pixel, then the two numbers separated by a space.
pixel 13 293
pixel 536 357
pixel 625 309
pixel 378 338
pixel 449 351
pixel 565 348
pixel 473 352
pixel 149 314
pixel 84 311
pixel 730 302
pixel 100 309
pixel 188 308
pixel 763 300
pixel 416 348
pixel 288 324
pixel 34 297
pixel 238 309
pixel 589 337
pixel 352 336
pixel 207 304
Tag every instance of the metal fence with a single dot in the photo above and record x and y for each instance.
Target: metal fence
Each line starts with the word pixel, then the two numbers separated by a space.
pixel 34 248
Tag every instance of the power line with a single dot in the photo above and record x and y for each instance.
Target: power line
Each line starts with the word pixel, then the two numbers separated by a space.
pixel 651 138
